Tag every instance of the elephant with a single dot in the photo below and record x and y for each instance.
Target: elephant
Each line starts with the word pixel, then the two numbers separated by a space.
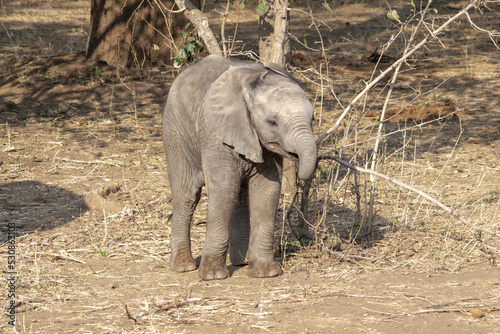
pixel 227 125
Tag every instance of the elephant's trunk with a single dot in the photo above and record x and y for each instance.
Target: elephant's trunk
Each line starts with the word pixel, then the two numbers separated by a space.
pixel 307 160
pixel 305 147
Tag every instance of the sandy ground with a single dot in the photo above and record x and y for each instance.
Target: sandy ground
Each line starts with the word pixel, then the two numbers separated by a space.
pixel 83 178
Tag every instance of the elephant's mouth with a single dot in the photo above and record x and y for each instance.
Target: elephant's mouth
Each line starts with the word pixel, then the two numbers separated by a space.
pixel 275 147
pixel 292 156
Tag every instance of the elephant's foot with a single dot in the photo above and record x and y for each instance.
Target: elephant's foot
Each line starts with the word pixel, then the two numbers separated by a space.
pixel 182 262
pixel 212 268
pixel 264 269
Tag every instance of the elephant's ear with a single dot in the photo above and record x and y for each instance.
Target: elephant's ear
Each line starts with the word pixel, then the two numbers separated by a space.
pixel 226 113
pixel 281 71
pixel 277 69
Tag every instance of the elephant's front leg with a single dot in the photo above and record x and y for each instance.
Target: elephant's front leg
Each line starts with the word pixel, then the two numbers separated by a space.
pixel 264 192
pixel 222 187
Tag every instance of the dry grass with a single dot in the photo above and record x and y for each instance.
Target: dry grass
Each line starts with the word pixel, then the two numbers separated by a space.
pixel 104 268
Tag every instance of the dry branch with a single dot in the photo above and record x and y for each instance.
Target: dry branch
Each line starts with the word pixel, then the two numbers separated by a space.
pixel 196 17
pixel 382 75
pixel 391 88
pixel 223 30
pixel 408 187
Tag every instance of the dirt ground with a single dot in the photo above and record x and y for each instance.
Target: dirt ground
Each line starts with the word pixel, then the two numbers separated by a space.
pixel 83 180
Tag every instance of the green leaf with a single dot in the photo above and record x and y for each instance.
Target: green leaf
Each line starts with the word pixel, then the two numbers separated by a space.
pixel 178 61
pixel 182 53
pixel 183 35
pixel 243 4
pixel 261 8
pixel 393 15
pixel 327 6
pixel 190 48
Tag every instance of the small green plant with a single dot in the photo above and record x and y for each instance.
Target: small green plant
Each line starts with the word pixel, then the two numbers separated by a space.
pixel 187 54
pixel 95 72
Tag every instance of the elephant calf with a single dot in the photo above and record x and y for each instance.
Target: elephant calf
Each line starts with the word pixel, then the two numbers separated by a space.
pixel 227 125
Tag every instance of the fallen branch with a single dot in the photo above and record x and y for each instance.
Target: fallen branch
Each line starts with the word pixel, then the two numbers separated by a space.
pixel 408 187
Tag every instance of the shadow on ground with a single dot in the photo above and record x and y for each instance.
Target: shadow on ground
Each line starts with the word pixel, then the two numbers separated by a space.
pixel 34 206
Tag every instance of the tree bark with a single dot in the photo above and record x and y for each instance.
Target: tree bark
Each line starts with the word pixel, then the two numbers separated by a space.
pixel 128 33
pixel 274 44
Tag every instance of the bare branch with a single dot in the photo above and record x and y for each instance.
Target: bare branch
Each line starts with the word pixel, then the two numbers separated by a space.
pixel 491 34
pixel 223 29
pixel 392 67
pixel 391 87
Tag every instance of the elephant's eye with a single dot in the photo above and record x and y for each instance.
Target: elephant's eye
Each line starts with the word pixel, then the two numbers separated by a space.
pixel 271 122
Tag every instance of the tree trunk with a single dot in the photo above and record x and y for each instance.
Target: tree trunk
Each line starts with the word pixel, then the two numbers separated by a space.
pixel 274 44
pixel 128 33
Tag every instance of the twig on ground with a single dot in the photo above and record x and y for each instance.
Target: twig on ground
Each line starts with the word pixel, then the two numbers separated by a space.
pixel 91 162
pixel 342 255
pixel 62 256
pixel 128 314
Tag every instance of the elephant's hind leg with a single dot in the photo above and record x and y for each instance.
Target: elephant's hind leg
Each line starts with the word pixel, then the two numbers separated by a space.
pixel 239 230
pixel 185 197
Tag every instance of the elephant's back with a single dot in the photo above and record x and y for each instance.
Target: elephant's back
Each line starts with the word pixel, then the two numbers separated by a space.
pixel 189 88
pixel 182 118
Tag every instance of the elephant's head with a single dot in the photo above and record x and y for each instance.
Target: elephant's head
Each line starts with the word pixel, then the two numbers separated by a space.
pixel 255 105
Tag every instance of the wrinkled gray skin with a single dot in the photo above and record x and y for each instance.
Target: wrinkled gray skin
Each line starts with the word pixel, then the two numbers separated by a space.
pixel 228 125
